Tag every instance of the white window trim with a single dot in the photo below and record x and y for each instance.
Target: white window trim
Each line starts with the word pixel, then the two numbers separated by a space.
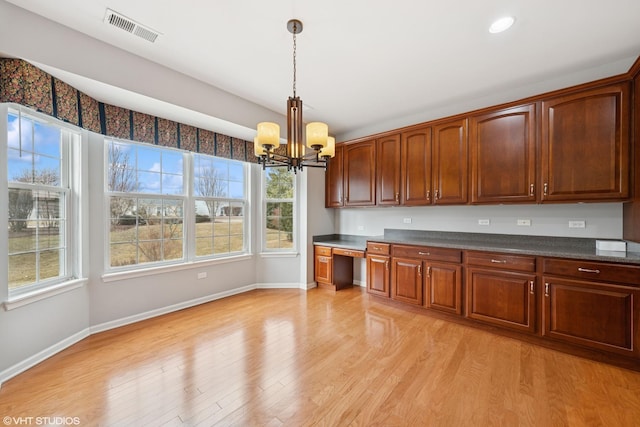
pixel 76 206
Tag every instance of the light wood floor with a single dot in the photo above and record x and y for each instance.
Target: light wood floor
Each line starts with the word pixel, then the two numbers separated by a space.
pixel 286 357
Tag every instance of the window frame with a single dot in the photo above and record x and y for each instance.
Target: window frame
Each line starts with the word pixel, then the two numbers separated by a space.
pixel 189 222
pixel 71 177
pixel 294 211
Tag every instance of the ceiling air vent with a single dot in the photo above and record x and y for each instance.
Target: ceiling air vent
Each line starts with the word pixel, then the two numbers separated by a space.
pixel 129 25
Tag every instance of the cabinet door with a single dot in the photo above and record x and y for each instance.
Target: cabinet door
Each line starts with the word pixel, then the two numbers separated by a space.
pixel 416 168
pixel 450 163
pixel 501 298
pixel 443 287
pixel 585 145
pixel 378 275
pixel 596 315
pixel 388 170
pixel 360 173
pixel 334 182
pixel 406 280
pixel 323 269
pixel 502 147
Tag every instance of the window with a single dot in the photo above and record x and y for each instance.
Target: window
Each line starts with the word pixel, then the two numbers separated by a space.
pixel 154 209
pixel 146 193
pixel 40 208
pixel 220 197
pixel 279 204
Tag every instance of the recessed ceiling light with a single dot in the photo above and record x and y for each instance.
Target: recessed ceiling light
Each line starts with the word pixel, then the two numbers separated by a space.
pixel 502 24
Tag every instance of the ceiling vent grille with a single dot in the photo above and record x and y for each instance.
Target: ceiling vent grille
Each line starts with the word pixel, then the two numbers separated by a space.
pixel 129 25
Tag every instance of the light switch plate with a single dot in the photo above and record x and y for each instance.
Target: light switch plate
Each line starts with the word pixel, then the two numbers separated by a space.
pixel 577 224
pixel 484 222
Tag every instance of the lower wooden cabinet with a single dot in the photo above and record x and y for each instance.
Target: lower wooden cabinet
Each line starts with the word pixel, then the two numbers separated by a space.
pixel 323 265
pixel 596 315
pixel 378 275
pixel 406 280
pixel 502 298
pixel 443 287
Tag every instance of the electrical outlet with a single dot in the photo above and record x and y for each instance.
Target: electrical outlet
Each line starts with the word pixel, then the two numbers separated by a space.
pixel 524 222
pixel 577 224
pixel 407 220
pixel 484 222
pixel 202 275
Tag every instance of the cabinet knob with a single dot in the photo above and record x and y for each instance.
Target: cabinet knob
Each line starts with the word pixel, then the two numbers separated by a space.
pixel 588 270
pixel 419 270
pixel 546 289
pixel 437 195
pixel 398 197
pixel 424 253
pixel 545 189
pixel 429 271
pixel 428 196
pixel 531 190
pixel 531 287
pixel 386 265
pixel 498 261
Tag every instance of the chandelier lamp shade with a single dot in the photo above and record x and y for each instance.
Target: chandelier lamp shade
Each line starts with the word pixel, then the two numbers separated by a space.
pixel 321 146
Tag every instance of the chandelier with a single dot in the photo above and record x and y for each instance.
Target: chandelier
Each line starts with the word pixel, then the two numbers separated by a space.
pixel 322 146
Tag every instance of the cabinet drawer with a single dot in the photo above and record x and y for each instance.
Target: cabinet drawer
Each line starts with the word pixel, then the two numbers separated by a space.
pixel 426 252
pixel 503 261
pixel 323 250
pixel 378 248
pixel 348 252
pixel 588 270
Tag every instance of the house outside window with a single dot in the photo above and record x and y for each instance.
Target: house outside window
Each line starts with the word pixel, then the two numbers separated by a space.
pixel 40 202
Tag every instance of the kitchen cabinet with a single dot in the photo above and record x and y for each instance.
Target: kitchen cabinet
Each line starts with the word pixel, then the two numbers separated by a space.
pixel 406 280
pixel 592 304
pixel 450 160
pixel 388 170
pixel 378 269
pixel 359 164
pixel 323 265
pixel 585 144
pixel 501 290
pixel 502 146
pixel 434 273
pixel 416 167
pixel 334 182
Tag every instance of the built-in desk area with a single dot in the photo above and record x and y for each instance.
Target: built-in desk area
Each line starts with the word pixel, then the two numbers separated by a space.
pixel 333 259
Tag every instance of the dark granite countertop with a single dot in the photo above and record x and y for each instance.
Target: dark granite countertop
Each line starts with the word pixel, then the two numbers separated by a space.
pixel 562 247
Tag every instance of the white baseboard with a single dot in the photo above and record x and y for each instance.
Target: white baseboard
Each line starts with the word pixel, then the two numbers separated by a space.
pixel 278 285
pixel 32 361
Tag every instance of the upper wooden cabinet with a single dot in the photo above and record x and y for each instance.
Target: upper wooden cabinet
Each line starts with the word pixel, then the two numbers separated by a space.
pixel 449 164
pixel 416 167
pixel 360 173
pixel 334 187
pixel 502 146
pixel 585 145
pixel 388 170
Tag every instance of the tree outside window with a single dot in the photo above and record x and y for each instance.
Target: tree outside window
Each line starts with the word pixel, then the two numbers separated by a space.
pixel 279 207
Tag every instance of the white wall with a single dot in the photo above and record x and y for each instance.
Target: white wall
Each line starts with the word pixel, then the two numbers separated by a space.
pixel 603 220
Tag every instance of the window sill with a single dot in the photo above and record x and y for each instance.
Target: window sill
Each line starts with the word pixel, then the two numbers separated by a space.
pixel 44 293
pixel 279 254
pixel 151 271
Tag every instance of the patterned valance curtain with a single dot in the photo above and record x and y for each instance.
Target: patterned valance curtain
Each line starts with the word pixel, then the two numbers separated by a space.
pixel 23 83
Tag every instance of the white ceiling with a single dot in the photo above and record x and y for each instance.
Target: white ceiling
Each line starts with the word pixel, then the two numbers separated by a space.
pixel 365 65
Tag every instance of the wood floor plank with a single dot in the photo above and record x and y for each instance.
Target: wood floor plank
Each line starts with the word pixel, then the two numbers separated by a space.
pixel 296 358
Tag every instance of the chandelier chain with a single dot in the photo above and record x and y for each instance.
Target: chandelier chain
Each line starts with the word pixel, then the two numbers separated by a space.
pixel 294 59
